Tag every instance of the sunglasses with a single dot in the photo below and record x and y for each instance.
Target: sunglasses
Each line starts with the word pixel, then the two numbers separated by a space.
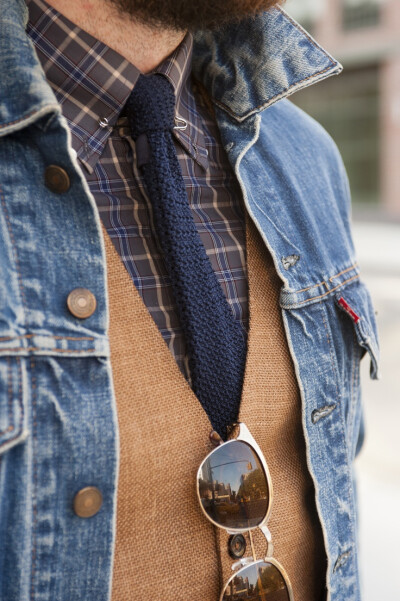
pixel 235 493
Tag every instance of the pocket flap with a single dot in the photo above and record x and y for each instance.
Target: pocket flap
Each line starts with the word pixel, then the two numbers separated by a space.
pixel 356 302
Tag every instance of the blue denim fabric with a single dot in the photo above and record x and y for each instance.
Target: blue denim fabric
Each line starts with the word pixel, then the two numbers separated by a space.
pixel 58 425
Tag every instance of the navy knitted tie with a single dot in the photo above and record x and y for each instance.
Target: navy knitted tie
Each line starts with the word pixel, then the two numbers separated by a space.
pixel 215 343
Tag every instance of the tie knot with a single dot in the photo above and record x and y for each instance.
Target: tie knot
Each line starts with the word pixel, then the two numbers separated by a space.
pixel 151 105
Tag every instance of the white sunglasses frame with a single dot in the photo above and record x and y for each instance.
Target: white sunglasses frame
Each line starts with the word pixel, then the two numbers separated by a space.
pixel 245 436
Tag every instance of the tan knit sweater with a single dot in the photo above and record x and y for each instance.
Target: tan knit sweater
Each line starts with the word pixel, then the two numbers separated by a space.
pixel 165 548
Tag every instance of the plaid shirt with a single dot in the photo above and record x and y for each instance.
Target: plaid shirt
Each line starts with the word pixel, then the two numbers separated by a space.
pixel 92 83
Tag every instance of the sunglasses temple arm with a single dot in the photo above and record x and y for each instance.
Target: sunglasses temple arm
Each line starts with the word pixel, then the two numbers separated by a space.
pixel 253 551
pixel 268 538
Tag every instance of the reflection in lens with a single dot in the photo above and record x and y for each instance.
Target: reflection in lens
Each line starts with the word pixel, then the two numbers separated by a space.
pixel 261 581
pixel 233 487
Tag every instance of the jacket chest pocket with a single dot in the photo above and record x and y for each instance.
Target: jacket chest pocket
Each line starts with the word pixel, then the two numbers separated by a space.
pixel 13 414
pixel 332 331
pixel 355 304
pixel 352 336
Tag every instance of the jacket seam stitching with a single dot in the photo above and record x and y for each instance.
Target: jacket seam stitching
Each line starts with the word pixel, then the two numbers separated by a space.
pixel 55 350
pixel 343 272
pixel 355 277
pixel 330 279
pixel 311 287
pixel 28 336
pixel 4 125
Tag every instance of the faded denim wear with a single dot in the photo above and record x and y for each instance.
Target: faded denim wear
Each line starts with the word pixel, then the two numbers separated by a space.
pixel 58 422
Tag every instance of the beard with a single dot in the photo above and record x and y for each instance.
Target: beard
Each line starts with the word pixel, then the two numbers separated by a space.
pixel 190 15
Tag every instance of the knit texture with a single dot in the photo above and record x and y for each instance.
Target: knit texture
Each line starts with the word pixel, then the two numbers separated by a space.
pixel 165 548
pixel 215 342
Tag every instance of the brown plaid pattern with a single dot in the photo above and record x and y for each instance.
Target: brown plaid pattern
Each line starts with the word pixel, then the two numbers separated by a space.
pixel 92 83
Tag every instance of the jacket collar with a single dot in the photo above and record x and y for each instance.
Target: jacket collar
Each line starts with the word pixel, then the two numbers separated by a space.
pixel 248 66
pixel 245 67
pixel 25 95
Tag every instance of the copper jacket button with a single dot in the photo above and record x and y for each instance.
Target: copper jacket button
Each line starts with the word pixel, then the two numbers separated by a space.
pixel 81 303
pixel 88 502
pixel 57 179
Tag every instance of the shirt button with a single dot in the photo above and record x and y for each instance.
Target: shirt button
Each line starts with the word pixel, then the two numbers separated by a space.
pixel 88 502
pixel 57 179
pixel 81 303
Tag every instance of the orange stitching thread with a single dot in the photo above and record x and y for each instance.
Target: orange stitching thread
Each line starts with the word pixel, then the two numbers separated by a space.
pixel 310 287
pixel 9 439
pixel 73 338
pixel 5 338
pixel 53 350
pixel 18 120
pixel 331 290
pixel 344 271
pixel 325 284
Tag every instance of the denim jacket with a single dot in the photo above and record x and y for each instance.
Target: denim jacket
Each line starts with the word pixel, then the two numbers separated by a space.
pixel 58 423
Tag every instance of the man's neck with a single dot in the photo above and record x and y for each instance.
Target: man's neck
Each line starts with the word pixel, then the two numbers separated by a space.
pixel 143 46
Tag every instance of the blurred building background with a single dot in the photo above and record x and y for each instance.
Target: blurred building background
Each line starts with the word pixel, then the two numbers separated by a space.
pixel 361 110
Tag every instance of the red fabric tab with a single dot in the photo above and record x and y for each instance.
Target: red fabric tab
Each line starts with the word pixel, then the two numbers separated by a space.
pixel 356 318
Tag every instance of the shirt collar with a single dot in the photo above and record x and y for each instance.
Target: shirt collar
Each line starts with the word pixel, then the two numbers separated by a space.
pixel 177 68
pixel 92 82
pixel 244 67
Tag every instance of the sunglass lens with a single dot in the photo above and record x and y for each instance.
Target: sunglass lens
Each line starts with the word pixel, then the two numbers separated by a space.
pixel 233 487
pixel 260 581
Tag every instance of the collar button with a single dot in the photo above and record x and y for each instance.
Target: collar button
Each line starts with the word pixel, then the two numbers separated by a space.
pixel 104 122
